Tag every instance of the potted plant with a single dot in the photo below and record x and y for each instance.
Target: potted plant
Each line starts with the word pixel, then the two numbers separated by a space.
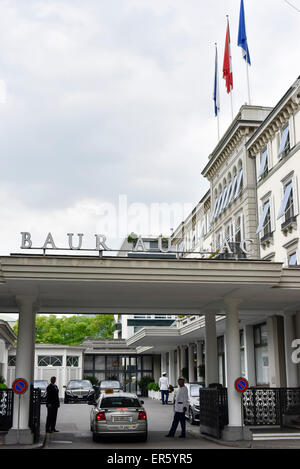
pixel 143 384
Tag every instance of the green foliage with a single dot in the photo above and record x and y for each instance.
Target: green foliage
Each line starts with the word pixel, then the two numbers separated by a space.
pixel 201 369
pixel 184 373
pixel 144 381
pixel 94 381
pixel 171 388
pixel 153 387
pixel 72 330
pixel 3 386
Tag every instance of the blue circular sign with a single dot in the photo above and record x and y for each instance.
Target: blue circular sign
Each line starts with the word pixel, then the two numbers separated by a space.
pixel 20 386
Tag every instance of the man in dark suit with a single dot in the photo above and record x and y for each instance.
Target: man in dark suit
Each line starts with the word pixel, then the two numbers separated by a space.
pixel 52 405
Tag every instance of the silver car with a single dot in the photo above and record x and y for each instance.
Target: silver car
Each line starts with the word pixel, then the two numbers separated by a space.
pixel 193 411
pixel 118 414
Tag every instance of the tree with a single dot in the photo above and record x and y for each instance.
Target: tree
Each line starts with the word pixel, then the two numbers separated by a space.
pixel 72 330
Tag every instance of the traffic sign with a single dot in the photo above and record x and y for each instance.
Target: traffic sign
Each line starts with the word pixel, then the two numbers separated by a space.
pixel 241 384
pixel 20 386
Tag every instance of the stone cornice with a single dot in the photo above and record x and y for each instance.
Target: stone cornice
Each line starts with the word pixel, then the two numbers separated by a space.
pixel 277 119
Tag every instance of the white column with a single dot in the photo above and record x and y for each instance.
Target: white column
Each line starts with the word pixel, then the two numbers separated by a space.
pixel 171 374
pixel 24 369
pixel 211 352
pixel 199 358
pixel 289 336
pixel 191 363
pixel 233 361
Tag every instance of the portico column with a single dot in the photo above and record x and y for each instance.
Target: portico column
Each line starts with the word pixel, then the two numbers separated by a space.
pixel 191 363
pixel 24 369
pixel 211 353
pixel 234 429
pixel 172 367
pixel 289 336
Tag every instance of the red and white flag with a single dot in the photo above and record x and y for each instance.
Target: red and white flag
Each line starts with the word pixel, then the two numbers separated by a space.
pixel 227 64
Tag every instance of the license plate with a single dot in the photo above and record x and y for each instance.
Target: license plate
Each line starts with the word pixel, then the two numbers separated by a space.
pixel 122 419
pixel 123 427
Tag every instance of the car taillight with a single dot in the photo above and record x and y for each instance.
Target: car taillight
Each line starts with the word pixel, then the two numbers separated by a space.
pixel 100 416
pixel 142 415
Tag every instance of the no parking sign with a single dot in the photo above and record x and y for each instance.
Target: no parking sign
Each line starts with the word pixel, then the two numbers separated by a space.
pixel 241 384
pixel 20 386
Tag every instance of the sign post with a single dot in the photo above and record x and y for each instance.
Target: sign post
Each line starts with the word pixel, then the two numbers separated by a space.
pixel 19 387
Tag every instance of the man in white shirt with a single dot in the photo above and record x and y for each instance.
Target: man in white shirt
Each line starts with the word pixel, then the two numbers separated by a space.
pixel 164 388
pixel 181 405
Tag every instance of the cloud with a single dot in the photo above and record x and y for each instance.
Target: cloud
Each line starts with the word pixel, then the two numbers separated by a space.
pixel 106 98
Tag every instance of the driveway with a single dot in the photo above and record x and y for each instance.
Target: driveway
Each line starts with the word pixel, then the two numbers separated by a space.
pixel 74 430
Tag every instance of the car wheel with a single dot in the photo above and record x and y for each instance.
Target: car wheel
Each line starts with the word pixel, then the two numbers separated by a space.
pixel 191 417
pixel 96 437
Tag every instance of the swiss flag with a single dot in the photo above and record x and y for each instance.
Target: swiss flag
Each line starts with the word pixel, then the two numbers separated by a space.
pixel 227 64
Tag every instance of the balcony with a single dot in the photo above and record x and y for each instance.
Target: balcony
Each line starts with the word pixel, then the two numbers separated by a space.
pixel 289 225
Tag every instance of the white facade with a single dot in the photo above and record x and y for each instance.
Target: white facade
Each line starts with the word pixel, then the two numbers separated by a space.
pixel 275 148
pixel 63 361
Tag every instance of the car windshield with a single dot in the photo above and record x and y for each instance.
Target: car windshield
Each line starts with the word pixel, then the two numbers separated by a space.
pixel 195 390
pixel 117 402
pixel 79 384
pixel 41 384
pixel 110 384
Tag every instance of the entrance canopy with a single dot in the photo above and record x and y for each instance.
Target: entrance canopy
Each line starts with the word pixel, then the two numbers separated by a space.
pixel 76 284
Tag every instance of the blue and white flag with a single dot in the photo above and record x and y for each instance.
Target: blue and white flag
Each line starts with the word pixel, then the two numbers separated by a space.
pixel 242 37
pixel 216 97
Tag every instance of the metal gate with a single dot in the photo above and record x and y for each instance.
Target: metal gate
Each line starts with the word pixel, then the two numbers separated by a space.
pixel 35 412
pixel 213 411
pixel 6 409
pixel 267 406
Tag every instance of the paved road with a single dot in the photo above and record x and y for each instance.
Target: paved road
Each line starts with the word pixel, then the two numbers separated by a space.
pixel 74 430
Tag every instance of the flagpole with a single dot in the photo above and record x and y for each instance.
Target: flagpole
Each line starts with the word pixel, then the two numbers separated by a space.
pixel 218 91
pixel 230 70
pixel 248 83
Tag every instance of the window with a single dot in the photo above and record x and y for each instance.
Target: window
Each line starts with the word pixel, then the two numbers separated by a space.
pixel 284 147
pixel 287 204
pixel 261 354
pixel 49 360
pixel 119 402
pixel 11 360
pixel 223 200
pixel 243 360
pixel 233 188
pixel 293 260
pixel 226 201
pixel 265 220
pixel 263 170
pixel 72 361
pixel 239 186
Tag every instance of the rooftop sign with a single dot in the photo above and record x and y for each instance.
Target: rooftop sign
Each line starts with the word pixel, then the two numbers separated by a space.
pixel 164 245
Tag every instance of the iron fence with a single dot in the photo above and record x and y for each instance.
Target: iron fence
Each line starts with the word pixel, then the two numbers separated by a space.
pixel 6 409
pixel 35 412
pixel 267 406
pixel 213 411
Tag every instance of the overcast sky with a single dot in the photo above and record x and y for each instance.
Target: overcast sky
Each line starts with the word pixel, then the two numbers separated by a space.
pixel 107 98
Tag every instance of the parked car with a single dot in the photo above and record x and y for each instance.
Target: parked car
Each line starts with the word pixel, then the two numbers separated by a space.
pixel 118 414
pixel 79 390
pixel 110 384
pixel 193 411
pixel 42 385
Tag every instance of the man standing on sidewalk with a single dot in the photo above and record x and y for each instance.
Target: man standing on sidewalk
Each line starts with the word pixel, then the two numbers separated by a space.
pixel 164 388
pixel 52 405
pixel 181 405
